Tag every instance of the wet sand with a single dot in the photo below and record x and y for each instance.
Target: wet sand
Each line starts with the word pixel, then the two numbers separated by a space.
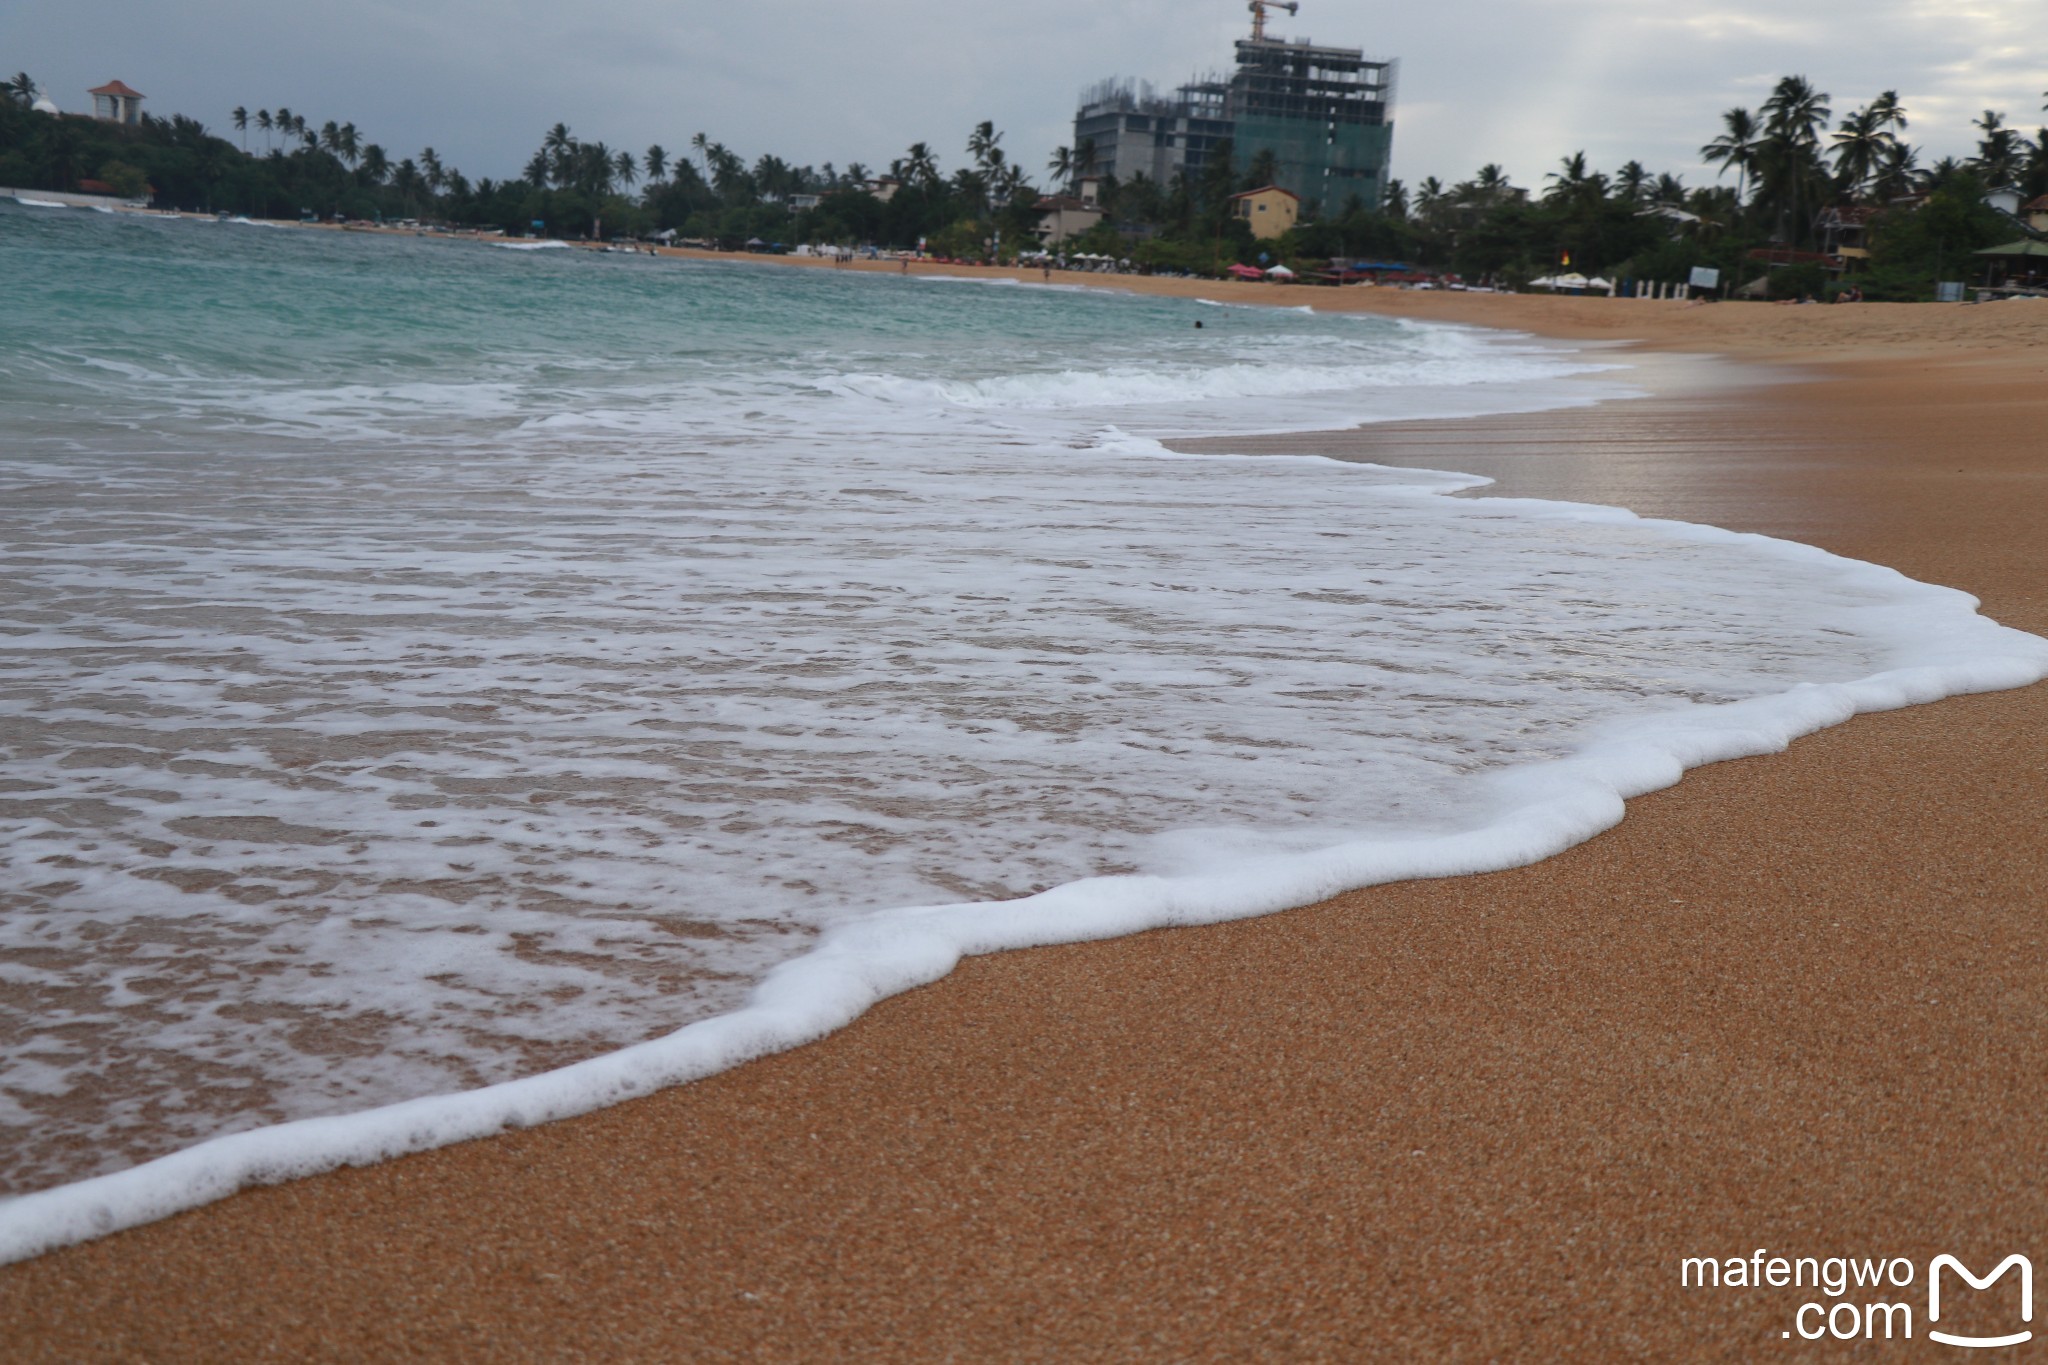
pixel 1795 1002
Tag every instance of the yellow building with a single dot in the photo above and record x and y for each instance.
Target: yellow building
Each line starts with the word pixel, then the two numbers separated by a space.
pixel 1270 211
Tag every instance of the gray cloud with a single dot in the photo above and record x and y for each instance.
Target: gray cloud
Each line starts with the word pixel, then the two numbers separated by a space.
pixel 1521 82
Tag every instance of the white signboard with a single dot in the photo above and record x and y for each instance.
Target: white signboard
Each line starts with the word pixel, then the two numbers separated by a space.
pixel 1705 277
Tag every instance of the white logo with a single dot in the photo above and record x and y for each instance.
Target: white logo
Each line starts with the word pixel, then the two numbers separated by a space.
pixel 2026 1268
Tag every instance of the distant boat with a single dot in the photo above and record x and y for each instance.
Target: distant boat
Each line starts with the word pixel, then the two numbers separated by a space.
pixel 40 203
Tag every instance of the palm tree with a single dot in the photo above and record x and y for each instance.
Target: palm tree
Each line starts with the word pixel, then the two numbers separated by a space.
pixel 920 167
pixel 432 173
pixel 263 123
pixel 537 170
pixel 625 169
pixel 1009 184
pixel 349 144
pixel 1429 197
pixel 283 121
pixel 657 164
pixel 703 146
pixel 406 180
pixel 1860 146
pixel 1061 165
pixel 1791 178
pixel 22 89
pixel 240 118
pixel 1899 174
pixel 1396 201
pixel 982 141
pixel 1999 151
pixel 376 165
pixel 1888 112
pixel 1632 180
pixel 1735 148
pixel 1567 181
pixel 1086 158
pixel 559 146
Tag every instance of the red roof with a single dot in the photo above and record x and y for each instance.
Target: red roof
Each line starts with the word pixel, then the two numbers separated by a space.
pixel 2036 205
pixel 118 88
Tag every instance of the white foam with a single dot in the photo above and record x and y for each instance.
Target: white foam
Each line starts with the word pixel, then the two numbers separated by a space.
pixel 528 715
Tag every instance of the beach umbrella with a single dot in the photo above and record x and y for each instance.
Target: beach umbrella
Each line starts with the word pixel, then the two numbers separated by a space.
pixel 1281 272
pixel 1246 272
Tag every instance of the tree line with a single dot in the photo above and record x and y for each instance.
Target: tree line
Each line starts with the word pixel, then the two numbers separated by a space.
pixel 1795 171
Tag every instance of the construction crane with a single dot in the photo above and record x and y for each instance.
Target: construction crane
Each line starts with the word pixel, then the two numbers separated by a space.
pixel 1259 8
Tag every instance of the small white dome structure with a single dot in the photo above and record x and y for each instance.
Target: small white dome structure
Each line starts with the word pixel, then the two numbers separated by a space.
pixel 45 105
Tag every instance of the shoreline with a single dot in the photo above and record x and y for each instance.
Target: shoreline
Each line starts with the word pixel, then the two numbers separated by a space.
pixel 1813 498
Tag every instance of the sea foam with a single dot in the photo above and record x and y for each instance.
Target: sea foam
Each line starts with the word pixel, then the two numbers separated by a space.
pixel 548 726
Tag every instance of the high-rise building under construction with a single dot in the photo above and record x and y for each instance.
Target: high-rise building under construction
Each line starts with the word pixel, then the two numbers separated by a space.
pixel 1323 112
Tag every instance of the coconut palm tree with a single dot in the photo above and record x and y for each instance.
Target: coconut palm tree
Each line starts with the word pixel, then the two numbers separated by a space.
pixel 1735 148
pixel 263 124
pixel 1633 179
pixel 240 118
pixel 406 180
pixel 920 166
pixel 1889 113
pixel 1860 147
pixel 1791 177
pixel 1429 197
pixel 657 164
pixel 625 169
pixel 982 141
pixel 559 146
pixel 432 173
pixel 1999 152
pixel 1567 182
pixel 22 89
pixel 1899 174
pixel 375 165
pixel 349 144
pixel 1061 166
pixel 1087 158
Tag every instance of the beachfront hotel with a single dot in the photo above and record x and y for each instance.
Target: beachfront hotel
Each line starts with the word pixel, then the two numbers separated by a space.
pixel 1325 113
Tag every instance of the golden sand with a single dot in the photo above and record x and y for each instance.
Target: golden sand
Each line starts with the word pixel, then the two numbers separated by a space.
pixel 1794 1002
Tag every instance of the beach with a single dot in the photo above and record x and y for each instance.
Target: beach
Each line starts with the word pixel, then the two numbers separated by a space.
pixel 1788 1003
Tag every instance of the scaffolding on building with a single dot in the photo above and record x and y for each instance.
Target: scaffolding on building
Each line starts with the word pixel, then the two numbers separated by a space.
pixel 1323 113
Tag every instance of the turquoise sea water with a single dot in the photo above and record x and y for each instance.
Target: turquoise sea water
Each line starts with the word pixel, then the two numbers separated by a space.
pixel 425 664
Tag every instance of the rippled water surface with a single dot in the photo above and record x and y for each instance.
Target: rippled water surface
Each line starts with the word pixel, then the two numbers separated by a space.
pixel 422 664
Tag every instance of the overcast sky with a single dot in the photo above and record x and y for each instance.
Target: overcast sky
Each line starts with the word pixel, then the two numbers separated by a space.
pixel 1521 82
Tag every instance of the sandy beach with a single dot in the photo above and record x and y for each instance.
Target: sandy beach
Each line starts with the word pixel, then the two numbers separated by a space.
pixel 1792 1003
